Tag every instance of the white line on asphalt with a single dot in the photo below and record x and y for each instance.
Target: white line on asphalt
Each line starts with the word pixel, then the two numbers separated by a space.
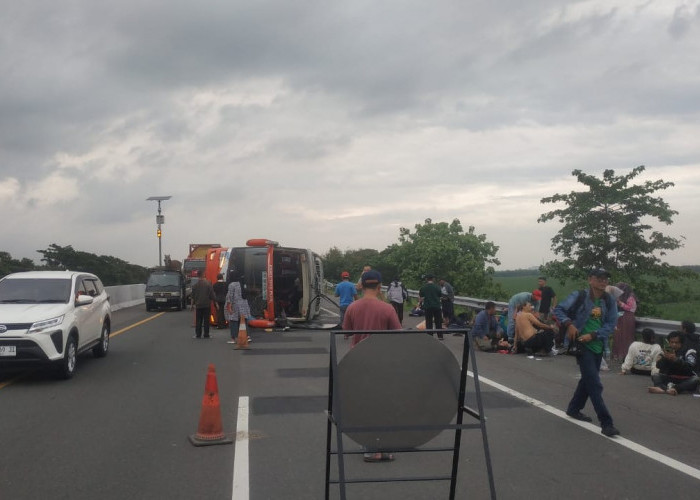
pixel 642 450
pixel 334 313
pixel 241 481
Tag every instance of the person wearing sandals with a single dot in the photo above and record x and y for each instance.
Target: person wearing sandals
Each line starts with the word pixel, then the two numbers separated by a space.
pixel 371 313
pixel 236 305
pixel 677 367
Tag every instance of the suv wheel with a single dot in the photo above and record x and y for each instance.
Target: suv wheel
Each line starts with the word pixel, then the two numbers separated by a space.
pixel 101 349
pixel 70 358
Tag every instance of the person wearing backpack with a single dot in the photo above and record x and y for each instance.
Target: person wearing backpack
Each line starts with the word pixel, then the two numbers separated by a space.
pixel 397 294
pixel 589 323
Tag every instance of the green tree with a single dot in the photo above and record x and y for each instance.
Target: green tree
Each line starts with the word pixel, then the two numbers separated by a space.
pixel 336 261
pixel 111 270
pixel 9 265
pixel 465 259
pixel 610 225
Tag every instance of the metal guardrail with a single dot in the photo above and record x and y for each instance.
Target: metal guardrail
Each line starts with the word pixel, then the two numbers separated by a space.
pixel 661 327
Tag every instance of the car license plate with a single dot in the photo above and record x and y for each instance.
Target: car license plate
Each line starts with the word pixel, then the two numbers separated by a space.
pixel 8 350
pixel 161 300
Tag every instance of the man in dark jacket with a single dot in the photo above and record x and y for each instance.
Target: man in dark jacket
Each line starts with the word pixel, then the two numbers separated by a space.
pixel 220 290
pixel 429 298
pixel 202 296
pixel 677 367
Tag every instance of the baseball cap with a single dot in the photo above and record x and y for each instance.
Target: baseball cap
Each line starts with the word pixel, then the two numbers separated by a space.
pixel 599 272
pixel 537 294
pixel 345 274
pixel 371 277
pixel 429 276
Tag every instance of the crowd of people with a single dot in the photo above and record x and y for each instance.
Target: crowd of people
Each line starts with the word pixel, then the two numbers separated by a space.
pixel 597 325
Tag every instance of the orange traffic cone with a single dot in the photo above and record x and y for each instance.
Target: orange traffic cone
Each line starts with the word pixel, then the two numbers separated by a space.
pixel 242 342
pixel 210 430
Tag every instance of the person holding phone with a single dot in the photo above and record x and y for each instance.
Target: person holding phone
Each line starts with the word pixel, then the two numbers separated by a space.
pixel 677 367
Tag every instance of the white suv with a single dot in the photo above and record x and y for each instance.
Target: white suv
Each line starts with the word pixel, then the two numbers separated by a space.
pixel 49 317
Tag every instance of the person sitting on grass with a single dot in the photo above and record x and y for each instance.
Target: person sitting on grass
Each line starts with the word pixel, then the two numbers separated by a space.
pixel 531 335
pixel 677 367
pixel 642 356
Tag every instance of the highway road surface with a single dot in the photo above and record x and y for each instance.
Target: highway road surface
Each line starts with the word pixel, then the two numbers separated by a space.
pixel 119 429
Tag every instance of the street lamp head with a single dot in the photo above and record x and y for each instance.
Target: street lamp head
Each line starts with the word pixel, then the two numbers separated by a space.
pixel 158 198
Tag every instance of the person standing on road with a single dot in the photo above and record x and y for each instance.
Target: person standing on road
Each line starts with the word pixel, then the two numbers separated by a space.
pixel 589 326
pixel 220 292
pixel 236 306
pixel 346 292
pixel 202 297
pixel 371 313
pixel 447 301
pixel 548 301
pixel 397 295
pixel 429 297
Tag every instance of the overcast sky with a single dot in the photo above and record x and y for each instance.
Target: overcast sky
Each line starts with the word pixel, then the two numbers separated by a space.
pixel 321 124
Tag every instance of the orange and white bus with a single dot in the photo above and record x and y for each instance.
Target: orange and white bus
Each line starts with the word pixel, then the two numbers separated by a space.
pixel 282 284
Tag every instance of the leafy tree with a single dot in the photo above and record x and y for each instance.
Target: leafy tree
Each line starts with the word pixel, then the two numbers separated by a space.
pixel 9 265
pixel 111 270
pixel 465 259
pixel 609 225
pixel 335 261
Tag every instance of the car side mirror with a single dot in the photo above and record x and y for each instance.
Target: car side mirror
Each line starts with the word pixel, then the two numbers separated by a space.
pixel 82 300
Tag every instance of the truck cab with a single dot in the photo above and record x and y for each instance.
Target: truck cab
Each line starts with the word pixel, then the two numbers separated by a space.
pixel 165 289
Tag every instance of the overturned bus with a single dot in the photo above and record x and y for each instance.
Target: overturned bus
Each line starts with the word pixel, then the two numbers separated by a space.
pixel 282 284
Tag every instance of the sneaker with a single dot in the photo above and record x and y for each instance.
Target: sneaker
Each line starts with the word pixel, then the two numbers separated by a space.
pixel 610 431
pixel 554 352
pixel 195 337
pixel 604 366
pixel 231 342
pixel 579 416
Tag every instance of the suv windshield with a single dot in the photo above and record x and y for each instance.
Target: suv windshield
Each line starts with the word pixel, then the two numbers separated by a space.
pixel 35 290
pixel 164 279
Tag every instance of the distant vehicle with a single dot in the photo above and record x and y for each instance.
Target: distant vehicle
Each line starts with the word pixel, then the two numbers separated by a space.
pixel 282 284
pixel 165 289
pixel 48 317
pixel 195 262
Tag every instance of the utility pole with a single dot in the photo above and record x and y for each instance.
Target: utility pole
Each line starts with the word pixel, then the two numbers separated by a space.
pixel 160 219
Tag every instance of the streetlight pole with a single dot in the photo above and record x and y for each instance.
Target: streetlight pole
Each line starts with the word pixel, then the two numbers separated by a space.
pixel 160 219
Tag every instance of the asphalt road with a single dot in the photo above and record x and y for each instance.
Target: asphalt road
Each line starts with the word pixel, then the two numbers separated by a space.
pixel 120 428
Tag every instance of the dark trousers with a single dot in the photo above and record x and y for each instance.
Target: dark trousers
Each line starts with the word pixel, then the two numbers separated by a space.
pixel 448 311
pixel 540 341
pixel 220 318
pixel 202 321
pixel 433 319
pixel 398 307
pixel 682 385
pixel 590 386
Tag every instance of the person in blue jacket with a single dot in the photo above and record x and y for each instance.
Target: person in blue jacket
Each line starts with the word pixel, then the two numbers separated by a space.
pixel 589 323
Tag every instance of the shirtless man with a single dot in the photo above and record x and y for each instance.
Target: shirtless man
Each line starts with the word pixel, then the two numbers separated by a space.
pixel 527 335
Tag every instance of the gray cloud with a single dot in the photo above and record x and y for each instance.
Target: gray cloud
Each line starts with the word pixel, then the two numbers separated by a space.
pixel 323 124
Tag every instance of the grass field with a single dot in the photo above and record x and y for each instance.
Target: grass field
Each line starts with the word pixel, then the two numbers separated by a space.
pixel 674 311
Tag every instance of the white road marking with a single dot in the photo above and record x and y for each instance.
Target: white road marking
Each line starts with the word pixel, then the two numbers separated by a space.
pixel 334 313
pixel 241 479
pixel 642 450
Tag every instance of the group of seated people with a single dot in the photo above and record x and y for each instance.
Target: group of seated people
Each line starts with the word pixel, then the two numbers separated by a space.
pixel 673 368
pixel 531 334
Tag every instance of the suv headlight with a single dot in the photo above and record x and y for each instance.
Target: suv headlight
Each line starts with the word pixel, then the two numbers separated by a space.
pixel 46 324
pixel 148 294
